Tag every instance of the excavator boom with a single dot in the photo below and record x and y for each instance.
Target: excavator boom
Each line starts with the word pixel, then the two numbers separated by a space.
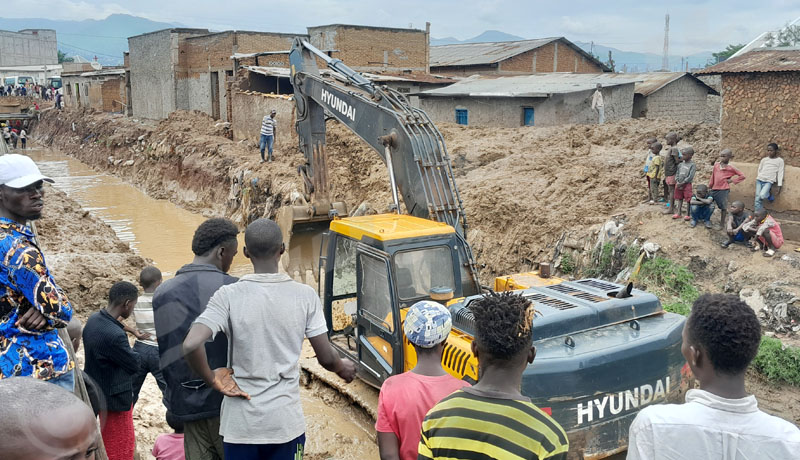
pixel 403 136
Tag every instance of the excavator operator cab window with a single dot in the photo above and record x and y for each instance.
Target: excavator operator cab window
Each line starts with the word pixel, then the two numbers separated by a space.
pixel 419 270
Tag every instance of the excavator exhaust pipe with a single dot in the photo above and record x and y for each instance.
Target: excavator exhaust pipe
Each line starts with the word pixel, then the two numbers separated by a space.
pixel 303 227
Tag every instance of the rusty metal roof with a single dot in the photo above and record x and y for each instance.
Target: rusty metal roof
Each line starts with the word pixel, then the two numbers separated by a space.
pixel 653 81
pixel 468 54
pixel 759 60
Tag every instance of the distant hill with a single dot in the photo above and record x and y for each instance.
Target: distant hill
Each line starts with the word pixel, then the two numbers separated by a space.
pixel 105 38
pixel 486 37
pixel 643 62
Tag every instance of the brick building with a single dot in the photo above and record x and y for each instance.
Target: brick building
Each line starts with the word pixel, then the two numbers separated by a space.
pixel 375 49
pixel 761 104
pixel 189 69
pixel 102 89
pixel 555 54
pixel 529 100
pixel 670 95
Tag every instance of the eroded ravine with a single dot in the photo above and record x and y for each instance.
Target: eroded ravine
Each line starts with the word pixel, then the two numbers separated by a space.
pixel 160 231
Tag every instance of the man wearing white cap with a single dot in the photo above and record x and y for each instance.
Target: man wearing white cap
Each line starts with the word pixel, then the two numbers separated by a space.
pixel 32 306
pixel 406 398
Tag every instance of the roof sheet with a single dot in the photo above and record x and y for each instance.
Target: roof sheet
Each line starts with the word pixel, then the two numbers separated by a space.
pixel 654 81
pixel 536 85
pixel 482 53
pixel 759 60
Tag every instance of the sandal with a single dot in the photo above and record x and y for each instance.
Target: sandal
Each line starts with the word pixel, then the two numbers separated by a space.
pixel 676 216
pixel 769 253
pixel 687 218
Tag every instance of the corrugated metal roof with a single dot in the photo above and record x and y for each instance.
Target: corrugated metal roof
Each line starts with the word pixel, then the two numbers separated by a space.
pixel 536 85
pixel 654 81
pixel 482 53
pixel 759 60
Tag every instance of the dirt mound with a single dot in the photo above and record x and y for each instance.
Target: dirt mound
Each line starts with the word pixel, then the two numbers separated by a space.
pixel 83 253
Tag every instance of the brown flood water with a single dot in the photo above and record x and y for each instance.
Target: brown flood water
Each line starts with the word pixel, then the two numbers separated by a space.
pixel 161 231
pixel 155 229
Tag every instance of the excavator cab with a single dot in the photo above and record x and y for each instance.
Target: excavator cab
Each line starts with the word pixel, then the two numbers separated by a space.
pixel 373 268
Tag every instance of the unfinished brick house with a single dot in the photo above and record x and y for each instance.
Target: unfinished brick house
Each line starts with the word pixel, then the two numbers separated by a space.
pixel 670 95
pixel 375 49
pixel 556 54
pixel 102 89
pixel 189 69
pixel 761 104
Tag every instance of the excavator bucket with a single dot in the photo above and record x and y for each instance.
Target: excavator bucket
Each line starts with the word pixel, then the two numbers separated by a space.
pixel 303 230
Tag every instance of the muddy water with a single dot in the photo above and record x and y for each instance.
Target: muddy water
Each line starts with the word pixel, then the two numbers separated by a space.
pixel 161 231
pixel 156 229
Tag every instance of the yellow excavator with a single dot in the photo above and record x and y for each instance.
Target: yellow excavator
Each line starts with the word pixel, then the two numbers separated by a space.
pixel 604 350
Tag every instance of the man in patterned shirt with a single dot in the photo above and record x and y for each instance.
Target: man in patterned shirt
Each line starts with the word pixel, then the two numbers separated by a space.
pixel 32 306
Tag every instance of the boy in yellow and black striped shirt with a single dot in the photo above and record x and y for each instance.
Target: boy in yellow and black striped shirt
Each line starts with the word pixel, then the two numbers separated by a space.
pixel 493 420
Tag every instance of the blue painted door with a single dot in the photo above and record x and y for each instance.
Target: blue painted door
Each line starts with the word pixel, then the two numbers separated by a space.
pixel 527 116
pixel 462 117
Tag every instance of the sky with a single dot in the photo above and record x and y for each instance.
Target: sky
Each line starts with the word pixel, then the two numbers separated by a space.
pixel 630 25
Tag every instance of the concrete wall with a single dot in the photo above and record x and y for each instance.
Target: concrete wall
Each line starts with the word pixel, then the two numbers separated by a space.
pixel 28 47
pixel 683 99
pixel 248 109
pixel 760 108
pixel 373 49
pixel 152 74
pixel 570 108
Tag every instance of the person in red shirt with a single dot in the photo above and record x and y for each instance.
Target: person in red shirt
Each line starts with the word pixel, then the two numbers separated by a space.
pixel 722 176
pixel 406 398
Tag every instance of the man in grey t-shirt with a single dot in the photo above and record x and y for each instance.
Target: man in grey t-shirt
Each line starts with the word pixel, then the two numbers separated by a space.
pixel 265 316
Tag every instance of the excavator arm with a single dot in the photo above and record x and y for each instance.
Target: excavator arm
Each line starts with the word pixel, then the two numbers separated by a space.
pixel 403 136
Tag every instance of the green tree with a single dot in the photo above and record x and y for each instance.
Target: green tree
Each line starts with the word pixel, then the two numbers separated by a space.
pixel 63 57
pixel 788 36
pixel 727 52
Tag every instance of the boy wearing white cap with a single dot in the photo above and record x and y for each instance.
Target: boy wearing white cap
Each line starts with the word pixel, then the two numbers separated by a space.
pixel 406 398
pixel 32 306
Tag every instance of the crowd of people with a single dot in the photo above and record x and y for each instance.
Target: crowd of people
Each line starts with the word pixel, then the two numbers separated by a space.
pixel 670 169
pixel 225 354
pixel 45 93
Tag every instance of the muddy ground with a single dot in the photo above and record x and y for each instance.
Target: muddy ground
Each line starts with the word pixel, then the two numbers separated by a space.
pixel 86 258
pixel 526 191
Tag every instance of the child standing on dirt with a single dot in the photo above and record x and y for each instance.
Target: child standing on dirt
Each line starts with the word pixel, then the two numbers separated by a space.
pixel 770 176
pixel 683 183
pixel 720 419
pixel 670 170
pixel 701 208
pixel 648 160
pixel 734 223
pixel 722 176
pixel 655 173
pixel 169 446
pixel 766 230
pixel 406 398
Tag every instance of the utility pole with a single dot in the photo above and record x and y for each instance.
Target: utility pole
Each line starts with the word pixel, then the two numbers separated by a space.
pixel 665 59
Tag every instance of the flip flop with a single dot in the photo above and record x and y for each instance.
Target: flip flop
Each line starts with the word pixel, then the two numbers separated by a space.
pixel 687 218
pixel 769 253
pixel 676 216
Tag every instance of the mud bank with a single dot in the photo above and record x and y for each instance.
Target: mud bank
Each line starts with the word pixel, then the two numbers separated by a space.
pixel 533 183
pixel 83 253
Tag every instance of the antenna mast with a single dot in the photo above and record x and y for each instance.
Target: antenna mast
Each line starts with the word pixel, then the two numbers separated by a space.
pixel 665 59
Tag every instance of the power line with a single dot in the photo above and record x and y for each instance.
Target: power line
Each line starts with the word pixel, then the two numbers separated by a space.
pixel 90 51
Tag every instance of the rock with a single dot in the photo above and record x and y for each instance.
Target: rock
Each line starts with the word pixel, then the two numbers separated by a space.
pixel 141 138
pixel 769 333
pixel 753 298
pixel 128 163
pixel 117 162
pixel 651 248
pixel 732 266
pixel 110 160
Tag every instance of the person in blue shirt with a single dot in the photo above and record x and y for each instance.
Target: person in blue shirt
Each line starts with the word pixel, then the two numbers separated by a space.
pixel 32 306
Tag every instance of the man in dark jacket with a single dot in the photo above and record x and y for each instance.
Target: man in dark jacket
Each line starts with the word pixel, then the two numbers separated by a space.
pixel 112 363
pixel 176 304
